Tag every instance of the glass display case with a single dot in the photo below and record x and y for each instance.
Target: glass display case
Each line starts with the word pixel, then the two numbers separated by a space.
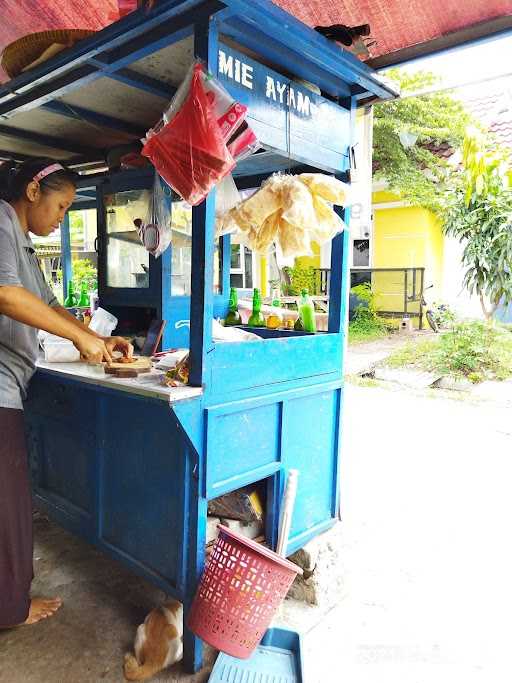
pixel 181 246
pixel 182 252
pixel 128 260
pixel 134 285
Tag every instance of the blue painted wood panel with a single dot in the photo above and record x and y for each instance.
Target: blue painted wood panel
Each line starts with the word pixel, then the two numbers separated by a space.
pixel 142 485
pixel 243 443
pixel 311 425
pixel 297 429
pixel 237 366
pixel 62 452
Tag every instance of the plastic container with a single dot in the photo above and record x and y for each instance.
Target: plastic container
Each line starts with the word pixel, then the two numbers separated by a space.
pixel 241 589
pixel 103 322
pixel 277 660
pixel 59 350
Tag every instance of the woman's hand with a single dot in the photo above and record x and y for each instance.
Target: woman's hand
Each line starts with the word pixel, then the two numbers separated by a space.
pixel 92 349
pixel 118 344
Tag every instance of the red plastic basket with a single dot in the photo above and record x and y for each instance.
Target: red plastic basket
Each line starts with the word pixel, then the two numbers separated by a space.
pixel 241 588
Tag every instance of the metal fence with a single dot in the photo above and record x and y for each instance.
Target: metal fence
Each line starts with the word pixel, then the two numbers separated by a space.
pixel 398 291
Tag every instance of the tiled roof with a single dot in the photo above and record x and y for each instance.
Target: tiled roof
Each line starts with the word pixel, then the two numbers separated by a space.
pixel 503 131
pixel 493 108
pixel 442 150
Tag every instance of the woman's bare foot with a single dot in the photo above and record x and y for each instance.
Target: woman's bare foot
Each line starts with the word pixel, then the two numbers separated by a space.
pixel 41 608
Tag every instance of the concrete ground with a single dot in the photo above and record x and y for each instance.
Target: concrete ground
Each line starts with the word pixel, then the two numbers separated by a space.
pixel 426 542
pixel 426 563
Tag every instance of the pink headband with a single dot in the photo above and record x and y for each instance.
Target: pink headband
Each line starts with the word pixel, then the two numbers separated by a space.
pixel 46 171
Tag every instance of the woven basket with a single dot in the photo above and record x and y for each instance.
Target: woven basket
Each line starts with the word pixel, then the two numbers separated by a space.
pixel 26 50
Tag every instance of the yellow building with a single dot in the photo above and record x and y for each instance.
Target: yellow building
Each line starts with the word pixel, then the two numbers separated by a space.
pixel 404 237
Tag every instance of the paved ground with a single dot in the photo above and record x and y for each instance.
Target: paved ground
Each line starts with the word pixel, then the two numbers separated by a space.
pixel 426 561
pixel 426 516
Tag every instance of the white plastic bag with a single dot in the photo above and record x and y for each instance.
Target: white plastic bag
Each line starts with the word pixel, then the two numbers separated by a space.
pixel 103 322
pixel 57 349
pixel 231 334
pixel 227 197
pixel 155 232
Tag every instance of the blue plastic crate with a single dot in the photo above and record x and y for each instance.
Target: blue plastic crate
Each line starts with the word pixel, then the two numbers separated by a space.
pixel 278 659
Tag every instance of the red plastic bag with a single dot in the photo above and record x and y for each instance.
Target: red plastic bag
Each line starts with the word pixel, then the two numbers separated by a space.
pixel 190 152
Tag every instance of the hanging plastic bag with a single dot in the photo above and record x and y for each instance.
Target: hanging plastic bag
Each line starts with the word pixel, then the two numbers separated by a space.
pixel 155 231
pixel 227 197
pixel 243 143
pixel 229 113
pixel 189 151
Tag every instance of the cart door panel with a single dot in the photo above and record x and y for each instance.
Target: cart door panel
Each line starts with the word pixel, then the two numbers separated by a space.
pixel 142 486
pixel 61 439
pixel 311 427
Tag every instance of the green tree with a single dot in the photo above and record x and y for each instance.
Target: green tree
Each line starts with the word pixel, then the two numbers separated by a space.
pixel 479 214
pixel 414 172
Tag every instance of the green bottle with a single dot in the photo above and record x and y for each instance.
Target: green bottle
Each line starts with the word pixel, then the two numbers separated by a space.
pixel 84 301
pixel 307 312
pixel 71 299
pixel 256 319
pixel 233 316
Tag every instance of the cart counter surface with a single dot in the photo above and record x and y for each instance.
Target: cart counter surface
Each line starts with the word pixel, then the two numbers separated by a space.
pixel 146 385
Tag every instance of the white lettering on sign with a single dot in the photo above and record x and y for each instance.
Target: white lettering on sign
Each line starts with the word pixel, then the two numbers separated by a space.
pixel 236 70
pixel 303 104
pixel 281 88
pixel 247 76
pixel 271 88
pixel 225 64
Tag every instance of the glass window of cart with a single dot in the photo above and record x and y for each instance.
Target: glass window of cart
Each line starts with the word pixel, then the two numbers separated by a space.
pixel 182 252
pixel 127 259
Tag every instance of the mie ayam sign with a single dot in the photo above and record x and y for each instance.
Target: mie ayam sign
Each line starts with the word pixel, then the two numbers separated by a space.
pixel 286 116
pixel 255 77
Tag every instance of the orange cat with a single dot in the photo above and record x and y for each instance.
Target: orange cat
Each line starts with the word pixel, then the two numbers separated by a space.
pixel 158 643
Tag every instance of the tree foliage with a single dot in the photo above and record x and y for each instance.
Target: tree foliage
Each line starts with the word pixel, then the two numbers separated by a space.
pixel 479 214
pixel 414 172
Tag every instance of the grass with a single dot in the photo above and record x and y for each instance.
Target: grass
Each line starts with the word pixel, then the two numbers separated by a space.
pixel 366 326
pixel 366 382
pixel 474 350
pixel 417 355
pixel 358 334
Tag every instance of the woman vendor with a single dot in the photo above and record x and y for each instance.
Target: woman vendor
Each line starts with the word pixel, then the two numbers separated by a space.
pixel 34 199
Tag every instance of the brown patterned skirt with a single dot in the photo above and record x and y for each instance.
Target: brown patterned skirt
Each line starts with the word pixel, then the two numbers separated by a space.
pixel 16 541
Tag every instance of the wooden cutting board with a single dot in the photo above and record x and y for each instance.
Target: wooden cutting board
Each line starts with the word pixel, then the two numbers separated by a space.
pixel 139 365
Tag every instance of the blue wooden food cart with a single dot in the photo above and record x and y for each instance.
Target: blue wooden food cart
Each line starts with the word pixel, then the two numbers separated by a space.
pixel 130 465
